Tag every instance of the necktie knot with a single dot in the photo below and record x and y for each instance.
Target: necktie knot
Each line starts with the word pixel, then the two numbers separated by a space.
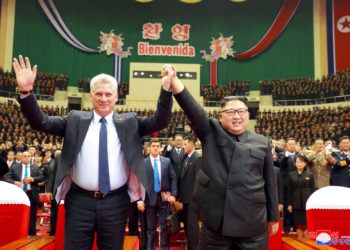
pixel 103 120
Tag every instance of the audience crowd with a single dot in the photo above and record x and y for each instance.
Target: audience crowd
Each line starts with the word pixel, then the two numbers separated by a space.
pixel 305 88
pixel 45 85
pixel 212 94
pixel 305 126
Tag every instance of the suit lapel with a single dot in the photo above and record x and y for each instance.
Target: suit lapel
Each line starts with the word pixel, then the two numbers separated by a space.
pixel 189 164
pixel 150 170
pixel 83 128
pixel 19 172
pixel 121 130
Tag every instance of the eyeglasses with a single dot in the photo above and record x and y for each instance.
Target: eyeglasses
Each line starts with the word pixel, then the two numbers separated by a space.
pixel 232 112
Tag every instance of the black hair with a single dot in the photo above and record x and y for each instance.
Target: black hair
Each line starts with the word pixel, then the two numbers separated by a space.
pixel 227 99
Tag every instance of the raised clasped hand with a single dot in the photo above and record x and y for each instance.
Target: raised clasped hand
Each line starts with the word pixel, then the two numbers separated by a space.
pixel 25 75
pixel 168 74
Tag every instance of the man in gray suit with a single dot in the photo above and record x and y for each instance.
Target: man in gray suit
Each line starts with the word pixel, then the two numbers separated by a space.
pixel 100 157
pixel 236 185
pixel 27 176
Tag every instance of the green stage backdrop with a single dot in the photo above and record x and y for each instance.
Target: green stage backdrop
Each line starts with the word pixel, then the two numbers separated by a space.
pixel 291 55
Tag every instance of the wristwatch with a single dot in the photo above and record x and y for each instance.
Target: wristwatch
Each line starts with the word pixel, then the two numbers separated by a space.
pixel 26 92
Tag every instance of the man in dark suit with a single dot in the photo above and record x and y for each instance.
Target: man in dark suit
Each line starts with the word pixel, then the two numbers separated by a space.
pixel 186 183
pixel 27 177
pixel 287 165
pixel 236 185
pixel 175 152
pixel 97 178
pixel 11 158
pixel 3 168
pixel 164 190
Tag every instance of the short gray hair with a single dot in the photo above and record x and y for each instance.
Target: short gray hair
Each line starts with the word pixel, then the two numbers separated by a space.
pixel 104 79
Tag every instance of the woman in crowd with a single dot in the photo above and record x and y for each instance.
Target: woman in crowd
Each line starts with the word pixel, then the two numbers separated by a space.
pixel 301 186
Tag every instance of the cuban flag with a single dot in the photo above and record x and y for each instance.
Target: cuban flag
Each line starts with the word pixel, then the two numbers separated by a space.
pixel 338 35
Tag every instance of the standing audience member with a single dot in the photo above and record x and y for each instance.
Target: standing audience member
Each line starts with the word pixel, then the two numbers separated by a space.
pixel 301 186
pixel 11 158
pixel 32 150
pixel 164 191
pixel 236 185
pixel 175 152
pixel 186 182
pixel 38 162
pixel 18 156
pixel 340 160
pixel 94 181
pixel 27 176
pixel 287 159
pixel 319 167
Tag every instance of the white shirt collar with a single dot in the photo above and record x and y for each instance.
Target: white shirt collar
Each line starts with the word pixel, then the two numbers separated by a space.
pixel 152 158
pixel 97 118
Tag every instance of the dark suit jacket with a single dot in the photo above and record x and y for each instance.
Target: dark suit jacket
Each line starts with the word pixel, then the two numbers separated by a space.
pixel 175 158
pixel 3 167
pixel 187 177
pixel 300 188
pixel 279 185
pixel 15 174
pixel 52 176
pixel 74 126
pixel 287 165
pixel 340 170
pixel 237 190
pixel 167 181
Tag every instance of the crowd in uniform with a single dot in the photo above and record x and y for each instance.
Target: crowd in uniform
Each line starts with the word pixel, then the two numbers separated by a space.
pixel 304 170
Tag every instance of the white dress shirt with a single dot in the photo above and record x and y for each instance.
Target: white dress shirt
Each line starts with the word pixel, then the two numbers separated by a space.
pixel 85 170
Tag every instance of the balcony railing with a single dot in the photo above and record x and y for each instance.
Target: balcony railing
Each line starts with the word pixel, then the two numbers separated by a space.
pixel 14 95
pixel 316 101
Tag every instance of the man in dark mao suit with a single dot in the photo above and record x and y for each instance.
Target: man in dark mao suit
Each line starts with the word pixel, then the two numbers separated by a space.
pixel 97 181
pixel 236 185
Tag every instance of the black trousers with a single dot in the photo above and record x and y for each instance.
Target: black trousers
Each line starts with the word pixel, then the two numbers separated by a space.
pixel 136 217
pixel 287 217
pixel 53 217
pixel 33 211
pixel 212 240
pixel 161 208
pixel 190 219
pixel 86 215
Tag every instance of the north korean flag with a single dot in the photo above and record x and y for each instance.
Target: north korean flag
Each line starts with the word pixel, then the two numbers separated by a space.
pixel 338 29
